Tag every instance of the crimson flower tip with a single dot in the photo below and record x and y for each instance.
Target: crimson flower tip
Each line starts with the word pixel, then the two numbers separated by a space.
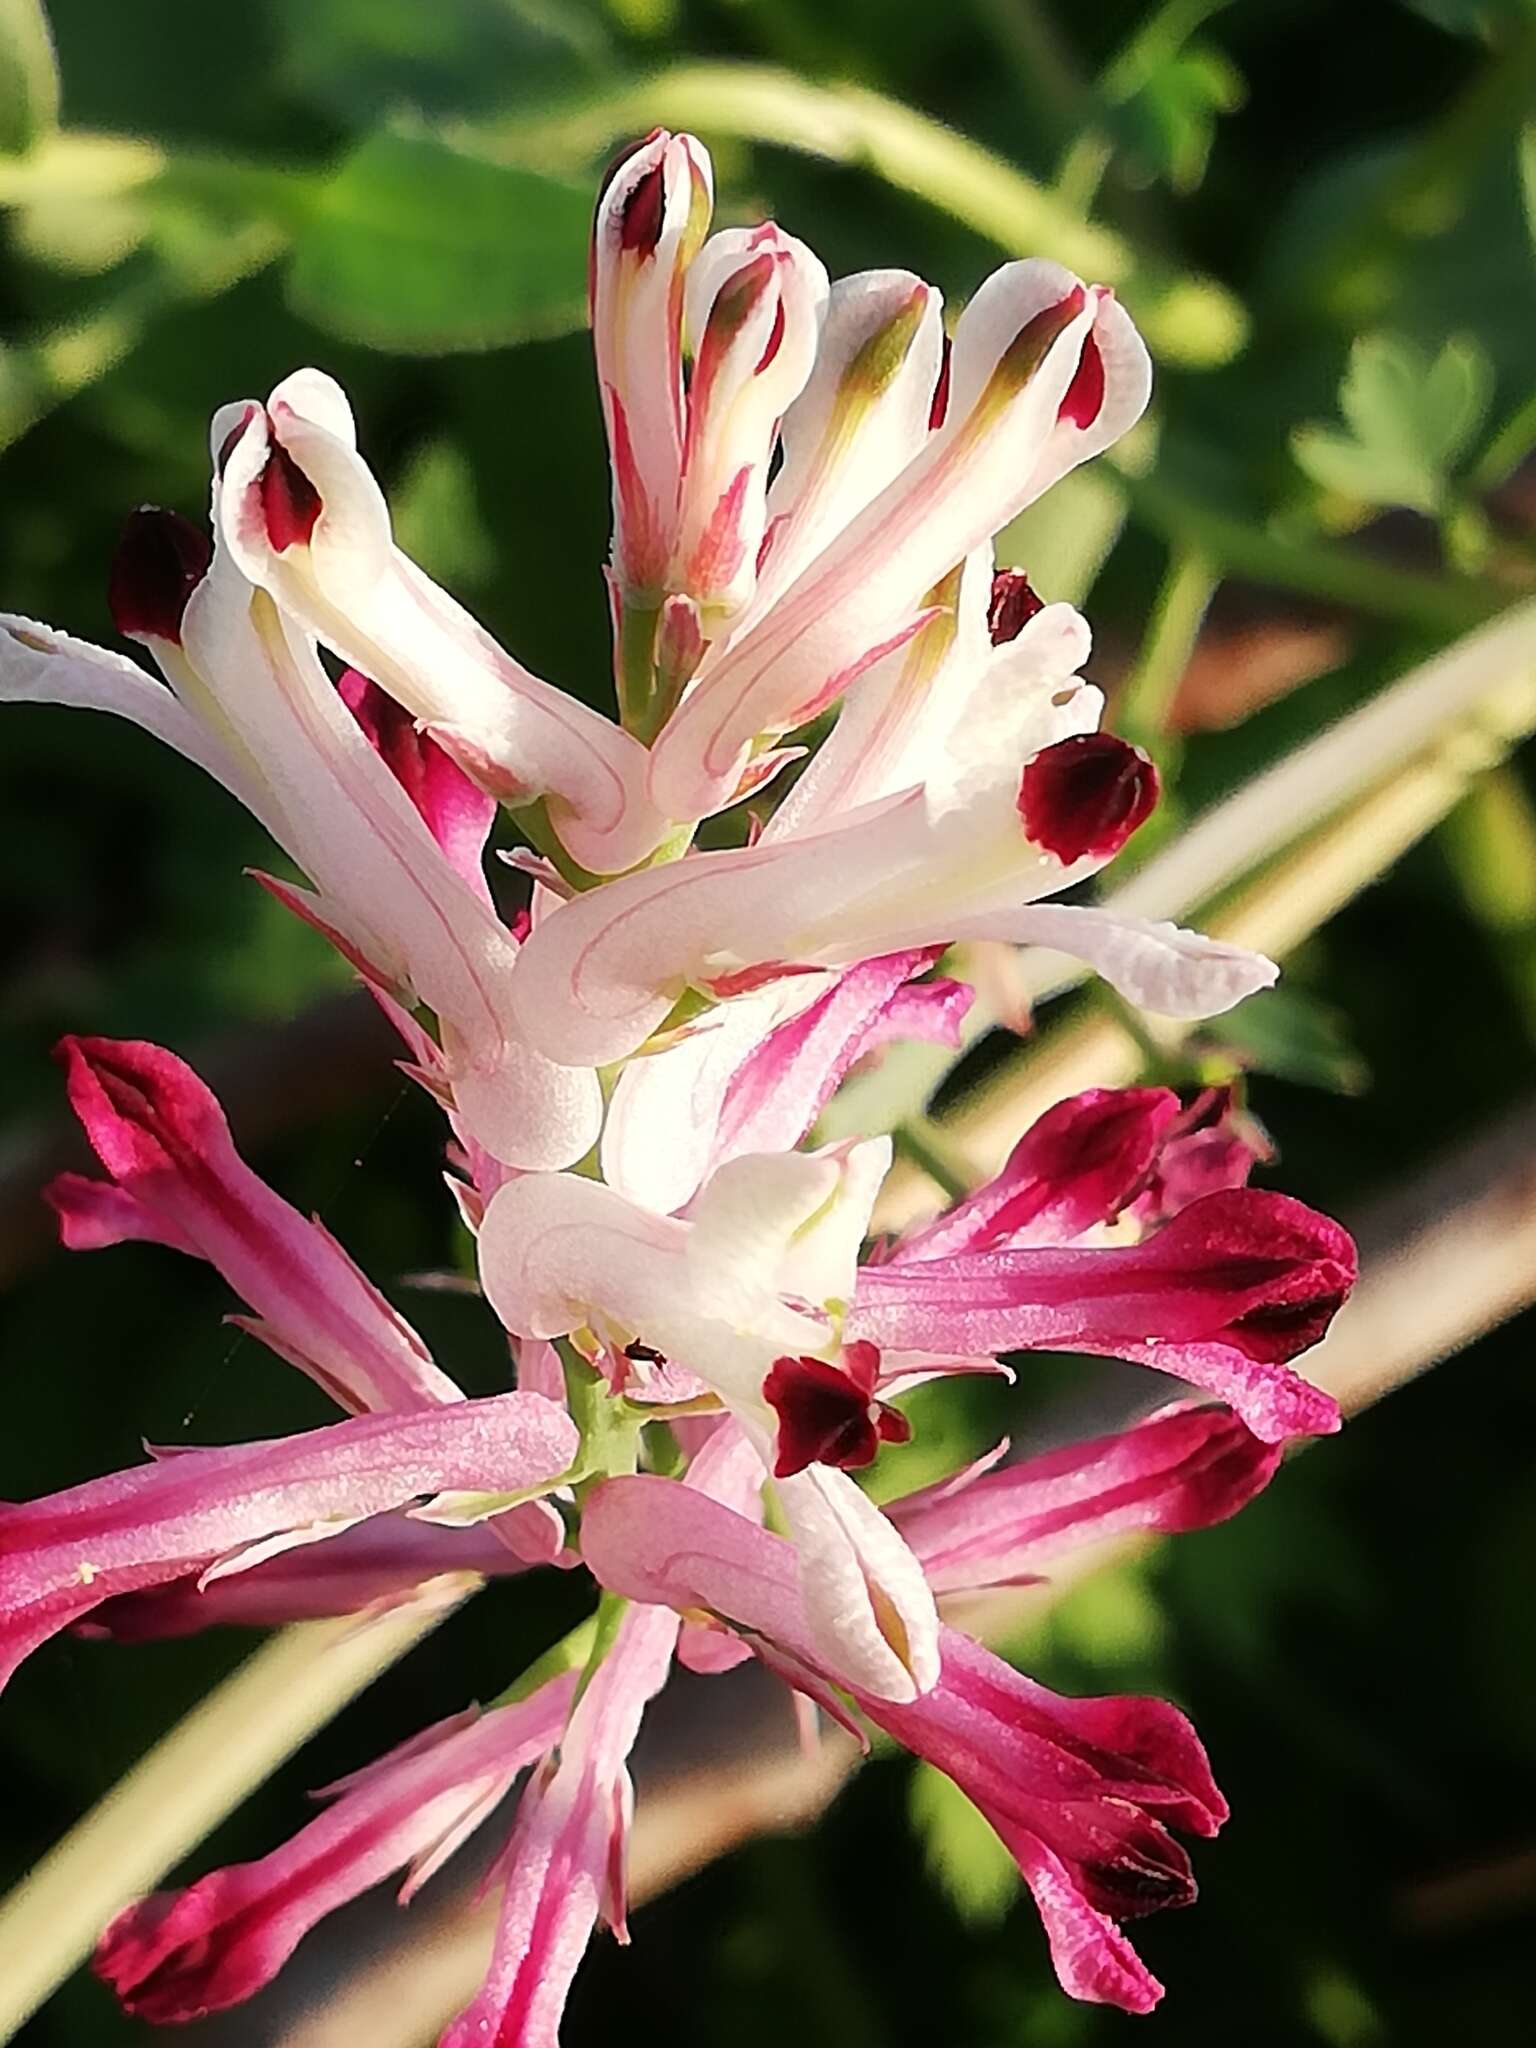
pixel 290 503
pixel 1012 605
pixel 160 560
pixel 1085 796
pixel 831 1417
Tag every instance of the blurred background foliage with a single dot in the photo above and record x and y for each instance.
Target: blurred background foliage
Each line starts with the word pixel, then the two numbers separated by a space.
pixel 1322 216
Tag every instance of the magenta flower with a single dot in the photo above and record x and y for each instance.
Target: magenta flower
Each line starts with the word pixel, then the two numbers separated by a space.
pixel 179 1955
pixel 807 482
pixel 215 1511
pixel 178 1180
pixel 1081 1791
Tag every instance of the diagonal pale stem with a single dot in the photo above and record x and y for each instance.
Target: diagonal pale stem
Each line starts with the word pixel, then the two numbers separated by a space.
pixel 211 1760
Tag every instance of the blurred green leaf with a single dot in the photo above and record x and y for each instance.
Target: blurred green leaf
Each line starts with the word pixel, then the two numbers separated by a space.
pixel 29 76
pixel 966 1859
pixel 1170 123
pixel 1465 17
pixel 1290 1033
pixel 357 58
pixel 416 248
pixel 1527 152
pixel 1409 420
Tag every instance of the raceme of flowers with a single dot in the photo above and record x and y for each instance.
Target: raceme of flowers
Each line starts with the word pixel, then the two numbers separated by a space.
pixel 807 479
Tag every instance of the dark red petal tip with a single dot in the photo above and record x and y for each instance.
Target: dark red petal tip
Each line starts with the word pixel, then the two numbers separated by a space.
pixel 231 439
pixel 828 1417
pixel 160 561
pixel 1086 795
pixel 1012 605
pixel 938 409
pixel 1085 394
pixel 289 501
pixel 643 213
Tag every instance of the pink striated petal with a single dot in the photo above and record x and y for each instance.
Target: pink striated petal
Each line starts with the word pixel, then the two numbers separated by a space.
pixel 162 1136
pixel 153 1524
pixel 1228 1291
pixel 457 814
pixel 564 1860
pixel 1183 1469
pixel 782 1086
pixel 1092 1958
pixel 1076 1166
pixel 94 1214
pixel 1016 350
pixel 178 1955
pixel 379 1560
pixel 1079 1790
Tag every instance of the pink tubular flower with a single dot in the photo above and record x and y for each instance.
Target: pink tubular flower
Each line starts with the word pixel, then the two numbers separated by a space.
pixel 212 1511
pixel 457 814
pixel 1090 1160
pixel 751 1277
pixel 250 702
pixel 1018 349
pixel 753 309
pixel 756 1078
pixel 651 222
pixel 339 575
pixel 1080 1791
pixel 177 1179
pixel 1222 1296
pixel 180 1955
pixel 1182 1469
pixel 565 1860
pixel 966 802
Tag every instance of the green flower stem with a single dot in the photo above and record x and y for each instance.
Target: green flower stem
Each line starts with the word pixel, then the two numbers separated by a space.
pixel 917 1139
pixel 611 1610
pixel 1508 448
pixel 635 667
pixel 571 1653
pixel 533 821
pixel 1237 547
pixel 1182 600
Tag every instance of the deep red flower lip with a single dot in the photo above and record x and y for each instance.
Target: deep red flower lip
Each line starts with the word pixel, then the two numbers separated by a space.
pixel 829 1416
pixel 1084 797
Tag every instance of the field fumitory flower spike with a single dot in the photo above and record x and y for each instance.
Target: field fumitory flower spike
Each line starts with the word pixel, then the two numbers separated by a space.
pixel 807 479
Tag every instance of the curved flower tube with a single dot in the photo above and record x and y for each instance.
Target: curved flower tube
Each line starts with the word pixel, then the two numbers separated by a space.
pixel 213 1511
pixel 281 738
pixel 177 1179
pixel 1081 1791
pixel 1223 1296
pixel 1019 798
pixel 181 1955
pixel 560 1254
pixel 302 516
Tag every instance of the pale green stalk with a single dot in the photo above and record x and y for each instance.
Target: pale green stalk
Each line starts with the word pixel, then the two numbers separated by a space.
pixel 209 1762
